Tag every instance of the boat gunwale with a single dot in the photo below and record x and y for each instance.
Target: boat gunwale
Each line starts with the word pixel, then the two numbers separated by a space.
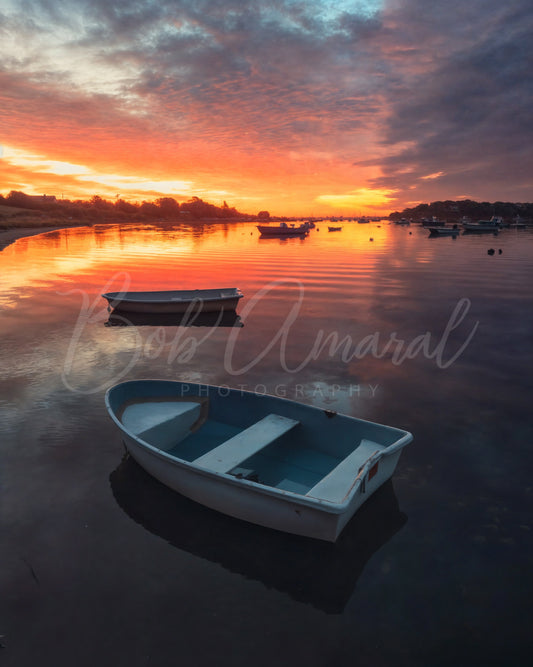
pixel 198 295
pixel 330 507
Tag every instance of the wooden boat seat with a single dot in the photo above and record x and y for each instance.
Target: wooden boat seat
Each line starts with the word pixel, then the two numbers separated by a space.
pixel 237 449
pixel 338 482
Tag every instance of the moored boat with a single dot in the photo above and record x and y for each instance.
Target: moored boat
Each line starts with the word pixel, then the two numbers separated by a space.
pixel 444 231
pixel 518 223
pixel 175 301
pixel 493 225
pixel 432 222
pixel 330 575
pixel 283 229
pixel 263 459
pixel 334 229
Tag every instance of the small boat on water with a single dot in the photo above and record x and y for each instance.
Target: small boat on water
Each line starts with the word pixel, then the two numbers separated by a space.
pixel 175 301
pixel 402 221
pixel 444 231
pixel 330 576
pixel 334 229
pixel 283 229
pixel 493 225
pixel 263 459
pixel 432 222
pixel 517 223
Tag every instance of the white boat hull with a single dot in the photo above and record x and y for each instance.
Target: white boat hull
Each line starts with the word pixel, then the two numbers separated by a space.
pixel 248 502
pixel 190 301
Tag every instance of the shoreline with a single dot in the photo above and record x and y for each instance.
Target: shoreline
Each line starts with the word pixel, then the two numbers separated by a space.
pixel 12 234
pixel 9 236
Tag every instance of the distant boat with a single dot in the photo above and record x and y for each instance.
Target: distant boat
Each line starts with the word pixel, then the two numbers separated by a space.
pixel 363 220
pixel 444 231
pixel 518 223
pixel 402 221
pixel 283 229
pixel 492 225
pixel 263 459
pixel 334 229
pixel 432 222
pixel 175 301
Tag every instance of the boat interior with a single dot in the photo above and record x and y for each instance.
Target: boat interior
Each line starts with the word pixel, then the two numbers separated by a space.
pixel 274 450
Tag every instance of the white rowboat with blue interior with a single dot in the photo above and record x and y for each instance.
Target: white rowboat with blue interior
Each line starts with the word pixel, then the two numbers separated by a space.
pixel 175 301
pixel 263 459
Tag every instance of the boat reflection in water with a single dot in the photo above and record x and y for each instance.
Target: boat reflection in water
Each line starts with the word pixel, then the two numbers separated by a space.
pixel 222 318
pixel 319 573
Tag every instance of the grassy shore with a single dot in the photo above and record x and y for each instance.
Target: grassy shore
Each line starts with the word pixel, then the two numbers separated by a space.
pixel 18 222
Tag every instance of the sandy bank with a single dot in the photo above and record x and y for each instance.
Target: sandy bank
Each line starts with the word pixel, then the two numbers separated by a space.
pixel 8 236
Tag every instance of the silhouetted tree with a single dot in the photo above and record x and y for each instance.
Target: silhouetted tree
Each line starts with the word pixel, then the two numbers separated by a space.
pixel 126 207
pixel 149 210
pixel 168 207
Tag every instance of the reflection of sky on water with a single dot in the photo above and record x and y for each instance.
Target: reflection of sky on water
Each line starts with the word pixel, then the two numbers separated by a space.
pixel 463 482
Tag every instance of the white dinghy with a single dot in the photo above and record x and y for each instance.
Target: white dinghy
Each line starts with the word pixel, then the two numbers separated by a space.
pixel 175 301
pixel 263 459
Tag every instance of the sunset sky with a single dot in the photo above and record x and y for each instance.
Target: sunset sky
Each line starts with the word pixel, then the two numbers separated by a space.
pixel 324 107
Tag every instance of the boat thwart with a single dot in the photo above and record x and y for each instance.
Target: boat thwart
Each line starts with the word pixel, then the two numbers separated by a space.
pixel 263 459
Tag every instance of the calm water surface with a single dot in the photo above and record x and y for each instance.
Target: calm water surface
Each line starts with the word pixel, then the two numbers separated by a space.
pixel 101 565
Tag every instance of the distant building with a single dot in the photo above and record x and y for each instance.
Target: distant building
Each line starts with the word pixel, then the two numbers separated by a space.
pixel 43 199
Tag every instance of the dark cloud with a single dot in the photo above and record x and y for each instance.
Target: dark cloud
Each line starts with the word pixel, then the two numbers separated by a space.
pixel 412 87
pixel 466 110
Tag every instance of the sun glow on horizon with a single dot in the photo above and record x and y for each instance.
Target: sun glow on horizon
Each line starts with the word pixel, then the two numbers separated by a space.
pixel 35 173
pixel 83 180
pixel 290 107
pixel 362 199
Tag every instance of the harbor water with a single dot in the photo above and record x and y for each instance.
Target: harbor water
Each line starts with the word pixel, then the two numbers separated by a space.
pixel 102 565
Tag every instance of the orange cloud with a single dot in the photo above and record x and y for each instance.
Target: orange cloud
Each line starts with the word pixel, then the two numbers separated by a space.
pixel 290 107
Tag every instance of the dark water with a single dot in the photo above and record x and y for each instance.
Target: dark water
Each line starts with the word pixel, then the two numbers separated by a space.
pixel 101 565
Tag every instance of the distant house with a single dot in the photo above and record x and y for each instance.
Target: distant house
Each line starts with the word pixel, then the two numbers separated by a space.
pixel 42 199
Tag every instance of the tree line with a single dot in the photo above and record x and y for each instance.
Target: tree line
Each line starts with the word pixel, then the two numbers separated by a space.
pixel 98 208
pixel 455 210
